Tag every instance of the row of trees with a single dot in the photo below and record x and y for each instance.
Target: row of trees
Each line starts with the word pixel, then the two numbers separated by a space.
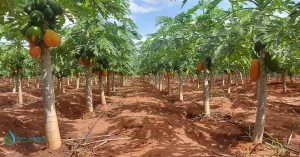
pixel 222 42
pixel 100 39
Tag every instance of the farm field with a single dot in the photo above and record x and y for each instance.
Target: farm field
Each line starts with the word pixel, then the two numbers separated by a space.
pixel 142 121
pixel 149 78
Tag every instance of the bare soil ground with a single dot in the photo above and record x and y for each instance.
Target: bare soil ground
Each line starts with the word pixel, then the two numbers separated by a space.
pixel 141 121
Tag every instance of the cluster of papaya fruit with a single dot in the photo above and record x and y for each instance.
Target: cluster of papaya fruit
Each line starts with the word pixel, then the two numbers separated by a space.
pixel 86 56
pixel 41 27
pixel 170 73
pixel 271 61
pixel 229 72
pixel 207 62
pixel 17 64
pixel 78 74
pixel 102 73
pixel 101 70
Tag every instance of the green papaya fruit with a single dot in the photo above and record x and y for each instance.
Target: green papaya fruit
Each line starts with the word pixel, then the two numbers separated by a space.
pixel 272 62
pixel 25 27
pixel 48 13
pixel 37 17
pixel 38 5
pixel 27 8
pixel 56 8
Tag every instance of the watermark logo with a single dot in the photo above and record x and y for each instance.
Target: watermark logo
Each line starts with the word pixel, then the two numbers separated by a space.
pixel 10 139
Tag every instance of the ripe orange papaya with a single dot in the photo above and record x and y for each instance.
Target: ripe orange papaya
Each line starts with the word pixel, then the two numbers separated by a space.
pixel 254 70
pixel 51 38
pixel 200 66
pixel 35 51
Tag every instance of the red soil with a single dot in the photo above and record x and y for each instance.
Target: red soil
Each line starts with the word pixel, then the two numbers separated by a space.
pixel 158 124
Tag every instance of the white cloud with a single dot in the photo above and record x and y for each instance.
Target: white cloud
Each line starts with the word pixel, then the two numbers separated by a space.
pixel 283 14
pixel 141 8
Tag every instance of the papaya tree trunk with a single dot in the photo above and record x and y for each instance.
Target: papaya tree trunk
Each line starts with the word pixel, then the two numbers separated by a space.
pixel 108 88
pixel 211 84
pixel 169 85
pixel 229 83
pixel 51 123
pixel 88 89
pixel 291 79
pixel 198 80
pixel 236 80
pixel 62 85
pixel 156 81
pixel 256 89
pixel 102 95
pixel 68 80
pixel 223 80
pixel 37 82
pixel 283 82
pixel 28 82
pixel 123 81
pixel 15 84
pixel 19 86
pixel 58 86
pixel 241 77
pixel 149 79
pixel 77 82
pixel 160 82
pixel 206 94
pixel 258 132
pixel 96 82
pixel 180 82
pixel 113 83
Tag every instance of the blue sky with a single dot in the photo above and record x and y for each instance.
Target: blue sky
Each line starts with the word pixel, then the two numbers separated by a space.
pixel 144 12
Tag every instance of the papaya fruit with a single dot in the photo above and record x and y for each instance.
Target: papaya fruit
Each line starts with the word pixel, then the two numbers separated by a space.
pixel 48 13
pixel 89 62
pixel 81 60
pixel 200 66
pixel 37 17
pixel 272 62
pixel 35 51
pixel 255 70
pixel 170 73
pixel 38 5
pixel 13 68
pixel 104 73
pixel 56 8
pixel 27 8
pixel 51 38
pixel 97 73
pixel 78 74
pixel 33 34
pixel 25 27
